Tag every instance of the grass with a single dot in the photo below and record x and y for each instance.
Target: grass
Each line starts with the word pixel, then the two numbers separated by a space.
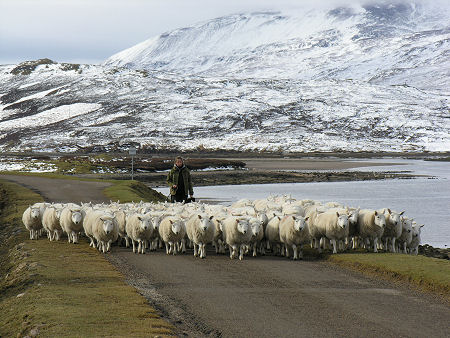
pixel 424 273
pixel 61 290
pixel 132 191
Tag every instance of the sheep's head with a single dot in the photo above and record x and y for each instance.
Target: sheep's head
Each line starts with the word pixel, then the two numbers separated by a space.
pixel 205 222
pixel 353 216
pixel 35 212
pixel 176 226
pixel 395 217
pixel 108 224
pixel 76 217
pixel 407 224
pixel 145 222
pixel 156 220
pixel 256 226
pixel 300 223
pixel 380 219
pixel 242 225
pixel 342 220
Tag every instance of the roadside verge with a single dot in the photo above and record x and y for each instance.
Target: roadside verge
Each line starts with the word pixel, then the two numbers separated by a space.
pixel 56 289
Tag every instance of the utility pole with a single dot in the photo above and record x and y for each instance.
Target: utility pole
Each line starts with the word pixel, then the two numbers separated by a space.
pixel 132 152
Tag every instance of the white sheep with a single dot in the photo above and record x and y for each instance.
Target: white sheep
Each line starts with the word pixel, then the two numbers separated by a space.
pixel 32 220
pixel 257 235
pixel 333 225
pixel 172 230
pixel 293 234
pixel 393 228
pixel 405 238
pixel 415 241
pixel 71 221
pixel 272 234
pixel 371 224
pixel 102 226
pixel 139 229
pixel 50 222
pixel 200 230
pixel 236 233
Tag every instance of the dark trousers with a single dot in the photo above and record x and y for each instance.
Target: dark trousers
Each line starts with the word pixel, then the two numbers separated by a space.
pixel 178 198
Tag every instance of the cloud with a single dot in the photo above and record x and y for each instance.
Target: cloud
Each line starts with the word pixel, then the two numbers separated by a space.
pixel 67 29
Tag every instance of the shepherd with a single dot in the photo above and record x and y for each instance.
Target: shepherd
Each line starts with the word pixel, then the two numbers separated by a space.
pixel 180 182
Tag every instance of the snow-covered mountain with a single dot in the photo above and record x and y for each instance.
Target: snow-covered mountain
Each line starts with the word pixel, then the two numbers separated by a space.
pixel 352 78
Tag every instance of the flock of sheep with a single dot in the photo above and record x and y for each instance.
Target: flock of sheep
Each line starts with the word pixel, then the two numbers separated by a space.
pixel 280 224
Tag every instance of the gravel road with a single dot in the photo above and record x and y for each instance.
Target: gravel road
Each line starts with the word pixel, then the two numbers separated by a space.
pixel 263 296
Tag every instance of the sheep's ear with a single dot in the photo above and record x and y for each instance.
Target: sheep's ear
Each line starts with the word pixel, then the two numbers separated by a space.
pixel 294 217
pixel 211 217
pixel 139 218
pixel 279 218
pixel 171 222
pixel 376 213
pixel 307 218
pixel 199 217
pixel 422 225
pixel 402 212
pixel 337 214
pixel 237 221
pixel 389 210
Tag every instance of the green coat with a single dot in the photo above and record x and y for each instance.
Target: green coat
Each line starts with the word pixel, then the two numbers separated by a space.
pixel 172 179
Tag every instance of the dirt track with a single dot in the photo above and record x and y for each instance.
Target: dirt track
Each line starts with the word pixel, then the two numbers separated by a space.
pixel 264 296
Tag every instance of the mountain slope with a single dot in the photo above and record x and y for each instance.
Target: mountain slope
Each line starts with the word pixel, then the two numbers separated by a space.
pixel 386 44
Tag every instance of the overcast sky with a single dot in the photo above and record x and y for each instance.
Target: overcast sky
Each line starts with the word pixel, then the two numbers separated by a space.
pixel 89 31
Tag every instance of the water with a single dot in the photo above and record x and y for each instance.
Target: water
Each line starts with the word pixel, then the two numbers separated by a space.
pixel 424 199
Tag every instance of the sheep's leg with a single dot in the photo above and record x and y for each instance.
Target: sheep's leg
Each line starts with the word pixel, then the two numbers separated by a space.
pixel 375 244
pixel 127 242
pixel 393 244
pixel 108 246
pixel 262 249
pixel 333 243
pixel 267 245
pixel 222 248
pixel 183 245
pixel 75 237
pixel 254 249
pixel 174 247
pixel 286 249
pixel 167 248
pixel 203 250
pixel 134 246
pixel 232 250
pixel 195 250
pixel 295 250
pixel 241 252
pixel 404 247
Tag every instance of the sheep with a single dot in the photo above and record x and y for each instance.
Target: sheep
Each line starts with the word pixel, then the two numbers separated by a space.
pixel 50 222
pixel 405 238
pixel 257 232
pixel 139 229
pixel 371 224
pixel 200 230
pixel 293 234
pixel 172 230
pixel 71 221
pixel 101 226
pixel 335 225
pixel 31 218
pixel 393 228
pixel 315 232
pixel 121 221
pixel 236 233
pixel 415 241
pixel 272 233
